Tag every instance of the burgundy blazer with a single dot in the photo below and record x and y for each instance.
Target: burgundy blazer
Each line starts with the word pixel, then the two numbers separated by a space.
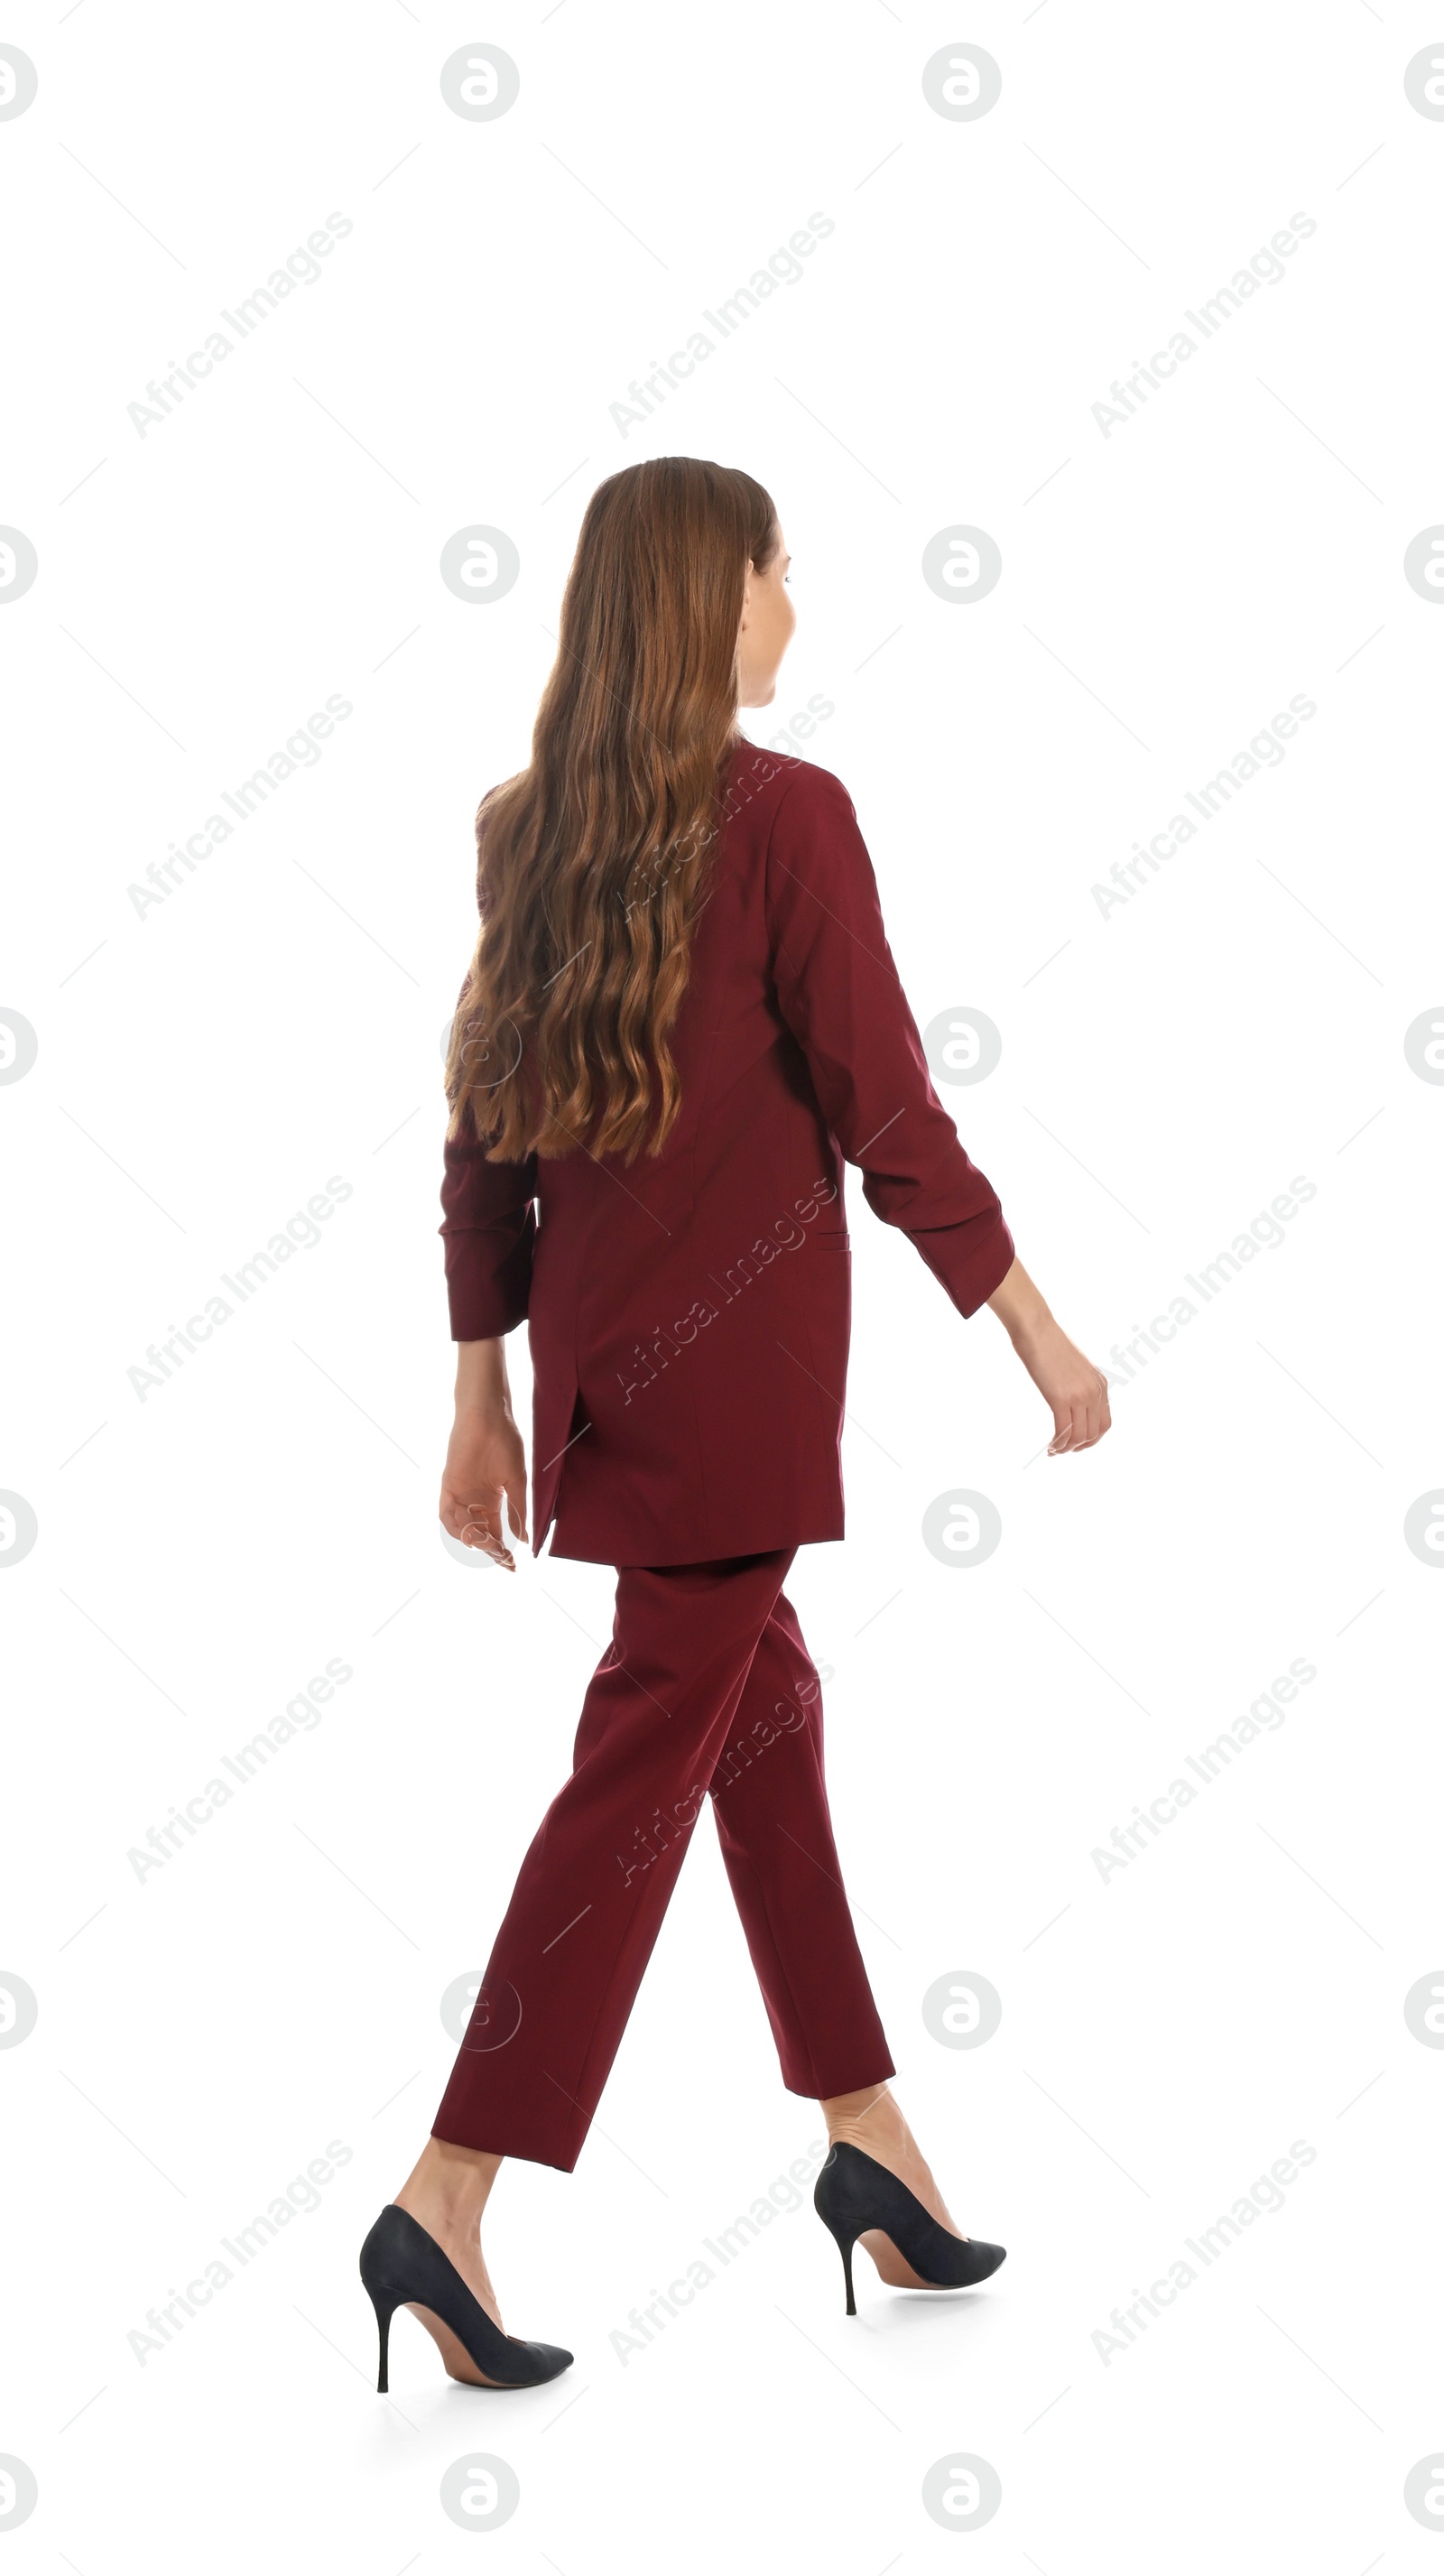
pixel 689 1314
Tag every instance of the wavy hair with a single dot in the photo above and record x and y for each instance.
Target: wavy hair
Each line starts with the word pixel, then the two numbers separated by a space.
pixel 592 862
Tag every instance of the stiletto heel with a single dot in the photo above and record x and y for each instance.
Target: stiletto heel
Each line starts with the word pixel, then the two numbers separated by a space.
pixel 846 2237
pixel 402 2266
pixel 384 2316
pixel 854 2192
pixel 845 2246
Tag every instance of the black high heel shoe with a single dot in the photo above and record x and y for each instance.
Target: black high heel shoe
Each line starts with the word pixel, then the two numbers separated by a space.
pixel 401 2263
pixel 854 2192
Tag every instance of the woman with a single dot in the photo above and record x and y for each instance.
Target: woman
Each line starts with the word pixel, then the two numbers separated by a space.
pixel 681 1018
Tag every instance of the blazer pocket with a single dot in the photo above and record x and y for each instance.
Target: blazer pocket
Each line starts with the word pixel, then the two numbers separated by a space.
pixel 833 1242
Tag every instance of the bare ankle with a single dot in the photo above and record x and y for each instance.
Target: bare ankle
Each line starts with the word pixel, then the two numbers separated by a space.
pixel 450 2185
pixel 870 2110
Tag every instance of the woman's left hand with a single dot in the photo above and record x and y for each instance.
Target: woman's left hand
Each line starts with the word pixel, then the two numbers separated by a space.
pixel 485 1469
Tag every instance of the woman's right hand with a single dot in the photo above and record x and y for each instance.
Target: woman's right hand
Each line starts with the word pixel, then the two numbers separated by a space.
pixel 485 1463
pixel 1067 1380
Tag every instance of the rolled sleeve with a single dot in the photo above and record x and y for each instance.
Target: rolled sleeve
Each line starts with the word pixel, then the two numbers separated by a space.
pixel 488 1231
pixel 840 994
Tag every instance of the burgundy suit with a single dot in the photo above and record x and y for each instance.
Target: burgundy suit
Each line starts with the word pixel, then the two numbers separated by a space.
pixel 692 1311
pixel 688 1317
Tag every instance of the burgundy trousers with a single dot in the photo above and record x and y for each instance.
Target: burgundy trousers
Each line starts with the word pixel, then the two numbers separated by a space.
pixel 706 1689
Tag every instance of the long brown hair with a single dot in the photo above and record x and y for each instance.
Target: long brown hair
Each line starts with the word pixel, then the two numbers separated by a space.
pixel 591 862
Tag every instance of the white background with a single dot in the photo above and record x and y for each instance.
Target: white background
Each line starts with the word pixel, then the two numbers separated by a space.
pixel 1168 1069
